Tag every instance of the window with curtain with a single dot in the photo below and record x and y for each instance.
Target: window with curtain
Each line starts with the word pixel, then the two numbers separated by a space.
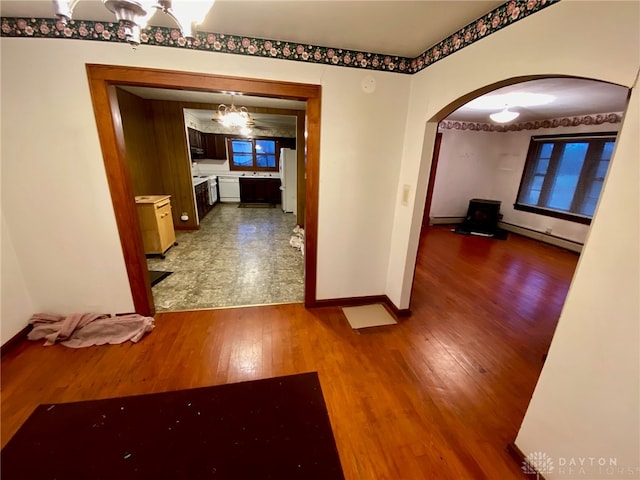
pixel 564 174
pixel 253 154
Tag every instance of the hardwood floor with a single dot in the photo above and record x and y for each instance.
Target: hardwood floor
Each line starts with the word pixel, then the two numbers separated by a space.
pixel 437 396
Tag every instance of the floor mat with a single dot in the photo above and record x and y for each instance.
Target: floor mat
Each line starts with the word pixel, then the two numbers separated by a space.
pixel 256 205
pixel 368 316
pixel 156 276
pixel 274 428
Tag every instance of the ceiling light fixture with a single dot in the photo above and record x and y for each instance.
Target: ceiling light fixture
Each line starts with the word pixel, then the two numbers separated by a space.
pixel 504 116
pixel 232 116
pixel 134 15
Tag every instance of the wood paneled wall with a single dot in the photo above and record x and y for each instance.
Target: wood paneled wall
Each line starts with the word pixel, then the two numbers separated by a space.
pixel 173 159
pixel 140 144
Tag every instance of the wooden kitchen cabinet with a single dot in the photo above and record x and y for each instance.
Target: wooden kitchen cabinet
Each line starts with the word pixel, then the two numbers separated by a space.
pixel 260 190
pixel 215 146
pixel 202 199
pixel 156 223
pixel 196 138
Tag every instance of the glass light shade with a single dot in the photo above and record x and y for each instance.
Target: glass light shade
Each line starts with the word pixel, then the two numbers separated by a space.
pixel 151 8
pixel 232 116
pixel 504 116
pixel 190 13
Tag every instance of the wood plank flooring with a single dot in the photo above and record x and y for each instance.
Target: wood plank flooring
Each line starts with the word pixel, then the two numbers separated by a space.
pixel 437 396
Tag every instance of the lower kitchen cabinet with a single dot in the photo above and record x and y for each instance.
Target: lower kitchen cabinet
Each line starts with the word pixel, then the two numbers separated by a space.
pixel 202 199
pixel 260 190
pixel 156 222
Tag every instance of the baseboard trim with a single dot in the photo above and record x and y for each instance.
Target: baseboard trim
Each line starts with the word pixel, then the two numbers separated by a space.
pixel 186 228
pixel 14 341
pixel 367 300
pixel 542 237
pixel 398 312
pixel 516 454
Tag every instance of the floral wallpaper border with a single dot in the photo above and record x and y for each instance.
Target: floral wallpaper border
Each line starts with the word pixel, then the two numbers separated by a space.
pixel 502 16
pixel 595 119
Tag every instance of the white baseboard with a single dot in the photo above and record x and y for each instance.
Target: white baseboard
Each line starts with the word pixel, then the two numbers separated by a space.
pixel 542 237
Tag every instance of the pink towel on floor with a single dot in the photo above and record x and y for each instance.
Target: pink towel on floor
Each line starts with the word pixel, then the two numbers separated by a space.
pixel 85 329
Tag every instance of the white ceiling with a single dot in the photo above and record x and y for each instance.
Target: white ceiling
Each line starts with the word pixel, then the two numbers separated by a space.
pixel 205 116
pixel 573 97
pixel 395 27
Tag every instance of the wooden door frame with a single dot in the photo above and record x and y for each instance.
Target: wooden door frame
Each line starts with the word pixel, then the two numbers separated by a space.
pixel 432 179
pixel 102 82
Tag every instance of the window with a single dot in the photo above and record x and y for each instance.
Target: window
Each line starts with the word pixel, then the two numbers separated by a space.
pixel 563 175
pixel 253 154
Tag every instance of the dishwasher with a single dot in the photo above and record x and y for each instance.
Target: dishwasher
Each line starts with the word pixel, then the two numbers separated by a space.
pixel 229 189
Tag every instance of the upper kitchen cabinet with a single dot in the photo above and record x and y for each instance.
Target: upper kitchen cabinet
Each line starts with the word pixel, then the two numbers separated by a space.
pixel 196 138
pixel 286 142
pixel 215 147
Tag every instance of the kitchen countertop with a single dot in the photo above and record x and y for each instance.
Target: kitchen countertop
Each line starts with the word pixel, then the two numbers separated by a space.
pixel 198 180
pixel 247 175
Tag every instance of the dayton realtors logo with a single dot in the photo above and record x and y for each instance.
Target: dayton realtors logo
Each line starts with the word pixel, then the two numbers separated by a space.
pixel 537 463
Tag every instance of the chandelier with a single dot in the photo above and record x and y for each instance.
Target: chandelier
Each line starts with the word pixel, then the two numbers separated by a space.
pixel 504 116
pixel 134 15
pixel 232 116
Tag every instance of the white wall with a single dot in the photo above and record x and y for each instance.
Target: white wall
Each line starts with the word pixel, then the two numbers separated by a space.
pixel 467 165
pixel 360 161
pixel 16 305
pixel 489 165
pixel 56 200
pixel 587 400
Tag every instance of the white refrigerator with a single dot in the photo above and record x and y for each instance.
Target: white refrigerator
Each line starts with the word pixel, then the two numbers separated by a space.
pixel 289 178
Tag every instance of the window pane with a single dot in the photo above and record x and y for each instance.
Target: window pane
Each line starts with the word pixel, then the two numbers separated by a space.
pixel 533 195
pixel 603 165
pixel 546 150
pixel 607 150
pixel 241 160
pixel 242 146
pixel 590 201
pixel 265 146
pixel 567 175
pixel 542 166
pixel 266 160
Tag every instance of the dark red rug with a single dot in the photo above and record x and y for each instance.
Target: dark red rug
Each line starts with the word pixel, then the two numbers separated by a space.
pixel 276 428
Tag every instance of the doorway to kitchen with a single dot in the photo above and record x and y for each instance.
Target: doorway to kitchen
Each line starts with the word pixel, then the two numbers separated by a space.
pixel 226 256
pixel 102 81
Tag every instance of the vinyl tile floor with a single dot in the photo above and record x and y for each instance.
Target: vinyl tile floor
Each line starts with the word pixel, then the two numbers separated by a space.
pixel 239 256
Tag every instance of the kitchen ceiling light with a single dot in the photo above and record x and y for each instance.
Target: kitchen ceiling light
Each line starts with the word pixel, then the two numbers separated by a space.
pixel 133 15
pixel 504 115
pixel 232 116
